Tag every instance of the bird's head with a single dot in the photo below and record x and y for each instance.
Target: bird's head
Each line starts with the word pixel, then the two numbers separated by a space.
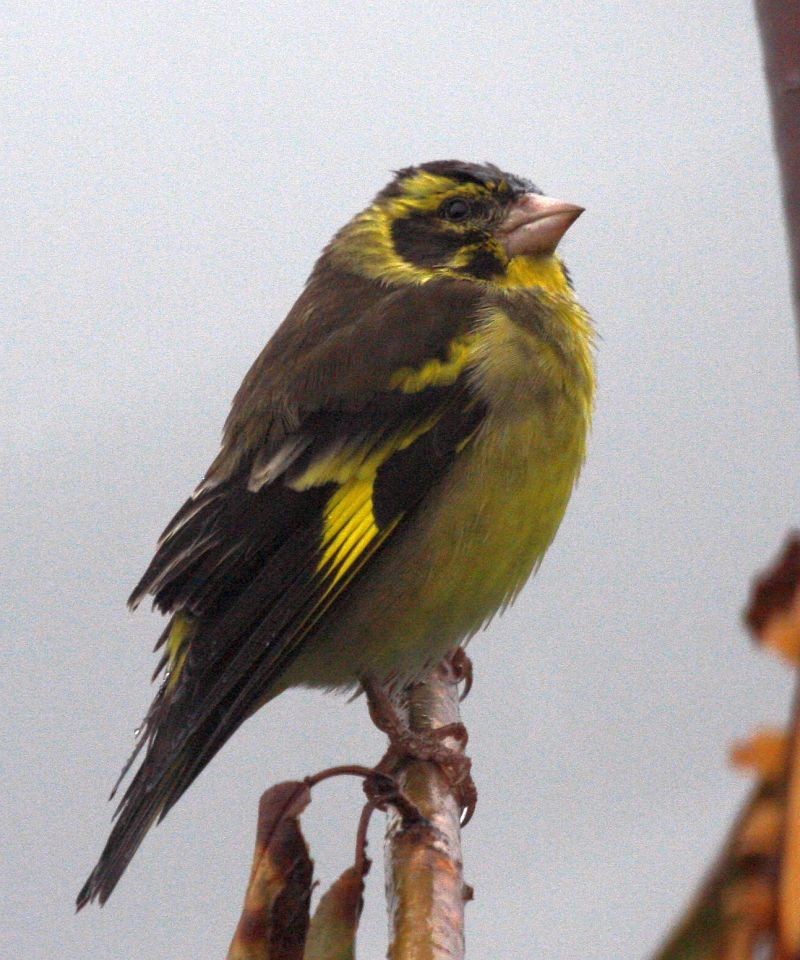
pixel 459 220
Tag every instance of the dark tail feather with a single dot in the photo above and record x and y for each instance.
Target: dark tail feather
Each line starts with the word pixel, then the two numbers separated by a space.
pixel 180 745
pixel 174 758
pixel 169 768
pixel 145 799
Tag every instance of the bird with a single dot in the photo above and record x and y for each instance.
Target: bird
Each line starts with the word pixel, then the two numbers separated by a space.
pixel 394 466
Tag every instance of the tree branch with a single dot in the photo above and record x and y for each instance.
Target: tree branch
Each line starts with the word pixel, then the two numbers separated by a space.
pixel 424 874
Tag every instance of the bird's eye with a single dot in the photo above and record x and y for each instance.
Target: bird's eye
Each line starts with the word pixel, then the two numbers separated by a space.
pixel 455 209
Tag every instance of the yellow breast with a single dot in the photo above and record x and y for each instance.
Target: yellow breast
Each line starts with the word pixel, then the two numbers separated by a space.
pixel 485 531
pixel 532 366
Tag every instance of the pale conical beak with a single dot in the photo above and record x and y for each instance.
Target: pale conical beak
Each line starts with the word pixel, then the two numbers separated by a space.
pixel 535 225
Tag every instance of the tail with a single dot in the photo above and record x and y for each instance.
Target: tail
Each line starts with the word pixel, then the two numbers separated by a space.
pixel 148 798
pixel 178 748
pixel 174 757
pixel 172 762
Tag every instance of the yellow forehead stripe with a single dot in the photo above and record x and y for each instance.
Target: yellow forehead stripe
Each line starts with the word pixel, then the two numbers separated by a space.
pixel 369 245
pixel 424 183
pixel 425 191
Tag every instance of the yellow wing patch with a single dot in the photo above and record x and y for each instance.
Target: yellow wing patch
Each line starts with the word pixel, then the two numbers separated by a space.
pixel 349 527
pixel 437 373
pixel 178 647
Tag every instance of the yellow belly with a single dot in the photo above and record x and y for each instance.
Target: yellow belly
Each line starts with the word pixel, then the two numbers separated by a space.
pixel 483 531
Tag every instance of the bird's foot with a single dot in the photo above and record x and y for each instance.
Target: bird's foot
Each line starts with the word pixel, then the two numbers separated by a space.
pixel 455 765
pixel 406 744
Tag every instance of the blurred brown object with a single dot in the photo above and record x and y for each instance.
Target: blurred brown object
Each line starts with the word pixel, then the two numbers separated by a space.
pixel 748 907
pixel 779 24
pixel 773 613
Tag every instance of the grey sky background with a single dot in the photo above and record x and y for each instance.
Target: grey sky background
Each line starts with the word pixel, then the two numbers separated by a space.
pixel 170 173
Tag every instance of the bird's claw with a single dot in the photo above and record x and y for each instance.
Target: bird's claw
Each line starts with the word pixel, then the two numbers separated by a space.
pixel 460 668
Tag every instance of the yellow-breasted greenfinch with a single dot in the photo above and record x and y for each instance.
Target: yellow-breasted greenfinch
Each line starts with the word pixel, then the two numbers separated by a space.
pixel 394 467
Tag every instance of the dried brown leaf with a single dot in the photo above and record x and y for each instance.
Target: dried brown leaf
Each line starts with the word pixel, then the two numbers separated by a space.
pixel 750 903
pixel 735 904
pixel 274 918
pixel 760 833
pixel 789 879
pixel 332 933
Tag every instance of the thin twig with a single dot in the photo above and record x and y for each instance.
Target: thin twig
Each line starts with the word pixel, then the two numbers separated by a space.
pixel 362 862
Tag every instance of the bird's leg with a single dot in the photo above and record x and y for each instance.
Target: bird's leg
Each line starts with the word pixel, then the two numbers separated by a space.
pixel 405 743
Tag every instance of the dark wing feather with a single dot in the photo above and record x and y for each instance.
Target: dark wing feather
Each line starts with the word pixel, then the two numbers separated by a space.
pixel 218 542
pixel 243 564
pixel 180 736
